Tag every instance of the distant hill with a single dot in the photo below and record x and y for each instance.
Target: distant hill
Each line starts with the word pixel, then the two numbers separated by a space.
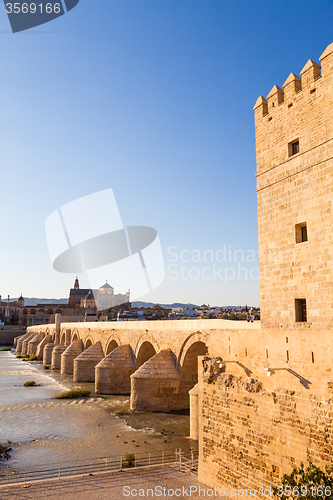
pixel 33 301
pixel 139 303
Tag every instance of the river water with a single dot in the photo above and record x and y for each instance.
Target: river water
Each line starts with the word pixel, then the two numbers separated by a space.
pixel 43 430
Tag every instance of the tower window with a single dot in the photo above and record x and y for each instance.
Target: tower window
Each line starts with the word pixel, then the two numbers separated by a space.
pixel 300 310
pixel 293 147
pixel 301 232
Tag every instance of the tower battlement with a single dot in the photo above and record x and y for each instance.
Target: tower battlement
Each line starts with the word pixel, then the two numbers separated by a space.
pixel 287 113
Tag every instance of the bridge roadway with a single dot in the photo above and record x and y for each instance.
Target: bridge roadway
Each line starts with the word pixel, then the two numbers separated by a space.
pixel 155 361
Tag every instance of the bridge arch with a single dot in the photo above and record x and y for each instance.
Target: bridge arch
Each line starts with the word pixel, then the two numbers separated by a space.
pixel 88 342
pixel 187 364
pixel 63 337
pixel 75 335
pixel 112 343
pixel 145 349
pixel 190 340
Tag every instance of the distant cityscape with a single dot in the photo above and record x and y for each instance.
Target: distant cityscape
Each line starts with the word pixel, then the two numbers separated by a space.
pixel 81 306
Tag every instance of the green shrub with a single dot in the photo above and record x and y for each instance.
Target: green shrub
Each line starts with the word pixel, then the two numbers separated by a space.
pixel 122 411
pixel 19 356
pixel 308 484
pixel 46 367
pixel 33 357
pixel 73 393
pixel 129 459
pixel 5 349
pixel 30 383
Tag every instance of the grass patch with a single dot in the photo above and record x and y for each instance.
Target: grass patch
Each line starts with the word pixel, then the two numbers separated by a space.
pixel 46 367
pixel 129 459
pixel 74 393
pixel 26 357
pixel 122 411
pixel 6 349
pixel 30 383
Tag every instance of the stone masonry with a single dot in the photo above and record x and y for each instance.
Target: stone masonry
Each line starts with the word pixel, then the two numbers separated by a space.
pixel 266 406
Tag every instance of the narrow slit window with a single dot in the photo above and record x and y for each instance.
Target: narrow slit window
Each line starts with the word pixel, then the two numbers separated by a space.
pixel 266 353
pixel 301 232
pixel 300 310
pixel 293 148
pixel 287 355
pixel 312 356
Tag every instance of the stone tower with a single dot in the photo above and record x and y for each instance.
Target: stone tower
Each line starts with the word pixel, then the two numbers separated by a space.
pixel 294 146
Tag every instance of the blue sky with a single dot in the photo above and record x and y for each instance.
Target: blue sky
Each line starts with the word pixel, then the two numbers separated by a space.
pixel 153 99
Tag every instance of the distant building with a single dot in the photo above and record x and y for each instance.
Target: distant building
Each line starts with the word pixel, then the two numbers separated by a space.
pixel 81 306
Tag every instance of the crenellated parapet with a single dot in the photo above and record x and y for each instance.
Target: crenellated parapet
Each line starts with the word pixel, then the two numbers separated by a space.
pixel 309 75
pixel 297 111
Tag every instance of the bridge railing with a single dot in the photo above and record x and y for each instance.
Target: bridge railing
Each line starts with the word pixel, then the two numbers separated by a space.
pixel 187 461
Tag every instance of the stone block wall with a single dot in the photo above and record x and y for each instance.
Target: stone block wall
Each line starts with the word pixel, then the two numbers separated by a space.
pixel 251 433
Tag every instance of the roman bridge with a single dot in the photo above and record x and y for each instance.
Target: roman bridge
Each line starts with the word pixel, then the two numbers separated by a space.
pixel 155 361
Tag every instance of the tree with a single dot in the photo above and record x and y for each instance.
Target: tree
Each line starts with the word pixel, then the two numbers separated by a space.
pixel 308 484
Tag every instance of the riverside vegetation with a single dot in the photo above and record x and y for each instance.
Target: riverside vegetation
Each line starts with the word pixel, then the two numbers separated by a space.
pixel 74 393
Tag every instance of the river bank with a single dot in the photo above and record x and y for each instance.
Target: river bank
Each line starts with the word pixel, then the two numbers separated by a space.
pixel 44 430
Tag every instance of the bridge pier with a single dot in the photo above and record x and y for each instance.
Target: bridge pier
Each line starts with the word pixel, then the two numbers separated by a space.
pixel 25 344
pixel 69 354
pixel 47 353
pixel 84 364
pixel 20 342
pixel 40 348
pixel 155 385
pixel 194 413
pixel 114 371
pixel 32 346
pixel 56 356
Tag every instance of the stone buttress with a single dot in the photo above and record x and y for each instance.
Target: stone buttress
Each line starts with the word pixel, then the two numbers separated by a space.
pixel 84 364
pixel 114 371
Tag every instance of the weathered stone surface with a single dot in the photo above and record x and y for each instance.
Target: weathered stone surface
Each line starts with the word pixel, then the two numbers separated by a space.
pixel 114 371
pixel 21 339
pixel 33 343
pixel 294 189
pixel 68 356
pixel 84 364
pixel 25 344
pixel 56 356
pixel 250 435
pixel 194 417
pixel 47 353
pixel 41 345
pixel 155 385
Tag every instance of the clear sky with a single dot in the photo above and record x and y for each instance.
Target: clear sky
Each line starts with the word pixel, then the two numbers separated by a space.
pixel 154 99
